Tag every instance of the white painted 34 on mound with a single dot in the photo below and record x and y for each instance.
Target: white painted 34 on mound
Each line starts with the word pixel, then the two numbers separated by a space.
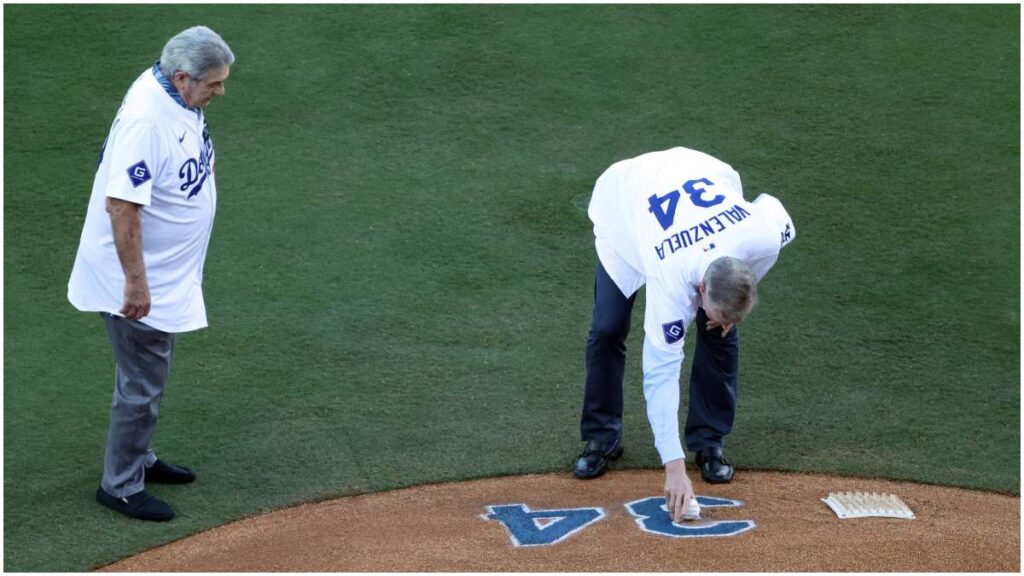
pixel 529 528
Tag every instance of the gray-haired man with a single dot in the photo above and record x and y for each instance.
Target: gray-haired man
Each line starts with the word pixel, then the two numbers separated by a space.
pixel 141 254
pixel 676 221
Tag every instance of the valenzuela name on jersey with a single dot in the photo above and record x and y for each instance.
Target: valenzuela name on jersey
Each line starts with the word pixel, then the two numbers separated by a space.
pixel 701 231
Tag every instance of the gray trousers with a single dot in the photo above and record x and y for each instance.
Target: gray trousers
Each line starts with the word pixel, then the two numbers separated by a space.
pixel 142 358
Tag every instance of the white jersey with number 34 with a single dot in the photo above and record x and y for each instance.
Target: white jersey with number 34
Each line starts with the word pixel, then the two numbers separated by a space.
pixel 662 218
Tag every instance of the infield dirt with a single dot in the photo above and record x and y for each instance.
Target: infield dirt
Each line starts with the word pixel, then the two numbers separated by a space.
pixel 440 528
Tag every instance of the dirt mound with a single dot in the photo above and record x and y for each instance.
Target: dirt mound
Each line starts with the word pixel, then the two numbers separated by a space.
pixel 464 527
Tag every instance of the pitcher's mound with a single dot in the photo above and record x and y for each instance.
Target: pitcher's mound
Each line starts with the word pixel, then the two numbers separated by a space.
pixel 446 528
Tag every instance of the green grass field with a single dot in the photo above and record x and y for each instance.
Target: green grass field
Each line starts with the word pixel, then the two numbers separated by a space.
pixel 400 275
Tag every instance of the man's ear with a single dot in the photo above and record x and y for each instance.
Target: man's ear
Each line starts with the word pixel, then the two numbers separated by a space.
pixel 702 287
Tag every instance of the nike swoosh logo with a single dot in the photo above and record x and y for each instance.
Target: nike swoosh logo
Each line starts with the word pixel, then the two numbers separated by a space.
pixel 182 139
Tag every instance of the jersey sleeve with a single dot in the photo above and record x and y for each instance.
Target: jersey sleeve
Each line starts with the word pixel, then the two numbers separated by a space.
pixel 779 215
pixel 613 237
pixel 605 209
pixel 661 392
pixel 133 160
pixel 669 311
pixel 778 233
pixel 733 181
pixel 760 266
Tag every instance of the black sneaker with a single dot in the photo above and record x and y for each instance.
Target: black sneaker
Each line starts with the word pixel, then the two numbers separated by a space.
pixel 142 505
pixel 593 462
pixel 714 468
pixel 164 473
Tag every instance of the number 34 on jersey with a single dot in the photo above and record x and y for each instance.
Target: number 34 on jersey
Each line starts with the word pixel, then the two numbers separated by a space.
pixel 664 207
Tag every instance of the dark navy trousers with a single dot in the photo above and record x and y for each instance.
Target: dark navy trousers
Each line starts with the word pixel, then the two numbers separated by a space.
pixel 714 377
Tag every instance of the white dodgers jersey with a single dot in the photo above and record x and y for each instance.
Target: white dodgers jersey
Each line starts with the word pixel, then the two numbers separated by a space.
pixel 159 155
pixel 662 218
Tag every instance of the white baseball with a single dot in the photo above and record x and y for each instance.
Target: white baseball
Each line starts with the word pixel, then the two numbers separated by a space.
pixel 692 511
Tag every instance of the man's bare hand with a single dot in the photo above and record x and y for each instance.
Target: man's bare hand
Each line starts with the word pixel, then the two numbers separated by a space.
pixel 136 300
pixel 726 327
pixel 678 489
pixel 126 222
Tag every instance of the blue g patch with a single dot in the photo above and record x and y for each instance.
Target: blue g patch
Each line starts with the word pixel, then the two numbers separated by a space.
pixel 139 173
pixel 674 331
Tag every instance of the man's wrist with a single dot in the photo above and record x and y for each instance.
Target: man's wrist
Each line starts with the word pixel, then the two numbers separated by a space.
pixel 137 279
pixel 675 465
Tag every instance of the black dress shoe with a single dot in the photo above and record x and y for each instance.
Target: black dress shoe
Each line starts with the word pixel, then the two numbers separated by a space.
pixel 595 457
pixel 142 506
pixel 164 473
pixel 714 468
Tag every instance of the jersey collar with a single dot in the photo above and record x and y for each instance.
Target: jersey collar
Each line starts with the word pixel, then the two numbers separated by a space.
pixel 169 88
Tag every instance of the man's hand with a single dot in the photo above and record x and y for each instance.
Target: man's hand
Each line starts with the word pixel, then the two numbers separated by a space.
pixel 678 490
pixel 712 324
pixel 136 300
pixel 126 222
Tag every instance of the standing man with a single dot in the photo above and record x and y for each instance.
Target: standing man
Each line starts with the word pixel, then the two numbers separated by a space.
pixel 140 258
pixel 675 220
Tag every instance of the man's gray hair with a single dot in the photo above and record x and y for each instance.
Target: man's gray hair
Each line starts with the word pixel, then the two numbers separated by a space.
pixel 195 52
pixel 731 288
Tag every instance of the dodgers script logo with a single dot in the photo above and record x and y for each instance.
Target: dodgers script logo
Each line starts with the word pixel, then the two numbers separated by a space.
pixel 194 171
